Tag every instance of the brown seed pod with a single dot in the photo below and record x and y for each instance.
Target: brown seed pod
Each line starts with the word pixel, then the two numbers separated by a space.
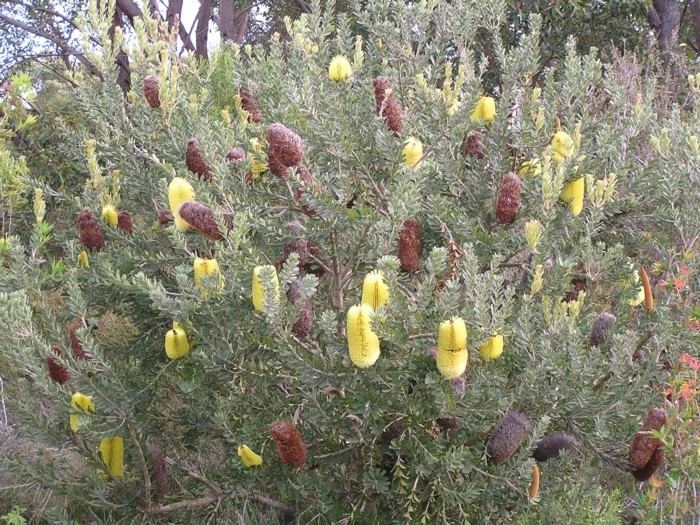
pixel 507 436
pixel 552 444
pixel 652 465
pixel 602 326
pixel 472 146
pixel 648 294
pixel 290 446
pixel 201 218
pixel 159 472
pixel 75 345
pixel 151 88
pixel 124 222
pixel 643 445
pixel 285 149
pixel 234 154
pixel 409 246
pixel 165 216
pixel 58 373
pixel 249 104
pixel 195 160
pixel 508 201
pixel 305 321
pixel 90 229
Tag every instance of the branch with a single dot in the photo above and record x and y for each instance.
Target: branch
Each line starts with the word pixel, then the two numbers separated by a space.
pixel 202 35
pixel 191 504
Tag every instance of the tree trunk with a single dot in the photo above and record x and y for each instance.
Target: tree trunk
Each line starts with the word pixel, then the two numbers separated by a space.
pixel 202 37
pixel 664 17
pixel 122 61
pixel 695 13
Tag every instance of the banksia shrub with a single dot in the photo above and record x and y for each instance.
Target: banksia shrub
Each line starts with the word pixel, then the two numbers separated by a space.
pixel 290 445
pixel 91 234
pixel 195 160
pixel 551 445
pixel 508 200
pixel 124 222
pixel 249 104
pixel 643 445
pixel 58 373
pixel 285 149
pixel 472 146
pixel 409 246
pixel 602 326
pixel 507 436
pixel 151 90
pixel 201 218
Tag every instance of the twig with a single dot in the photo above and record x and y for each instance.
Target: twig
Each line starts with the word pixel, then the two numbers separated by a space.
pixel 191 504
pixel 2 402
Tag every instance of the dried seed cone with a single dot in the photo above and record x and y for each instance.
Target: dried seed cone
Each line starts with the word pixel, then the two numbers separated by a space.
pixel 75 344
pixel 285 149
pixel 90 229
pixel 201 218
pixel 363 343
pixel 305 321
pixel 58 373
pixel 507 436
pixel 290 445
pixel 151 89
pixel 472 146
pixel 643 445
pixel 159 472
pixel 602 326
pixel 195 160
pixel 652 466
pixel 552 444
pixel 294 291
pixel 164 216
pixel 249 104
pixel 234 154
pixel 508 201
pixel 409 246
pixel 387 106
pixel 380 84
pixel 452 354
pixel 124 222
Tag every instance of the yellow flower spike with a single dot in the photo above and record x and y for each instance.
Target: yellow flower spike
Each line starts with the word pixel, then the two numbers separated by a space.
pixel 562 145
pixel 203 268
pixel 375 292
pixel 258 290
pixel 179 192
pixel 339 70
pixel 530 168
pixel 493 348
pixel 412 152
pixel 452 354
pixel 248 457
pixel 176 343
pixel 573 193
pixel 363 343
pixel 484 110
pixel 83 259
pixel 533 233
pixel 112 452
pixel 82 402
pixel 110 215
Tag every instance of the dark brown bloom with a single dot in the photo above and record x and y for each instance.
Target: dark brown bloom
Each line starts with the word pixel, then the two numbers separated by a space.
pixel 164 216
pixel 387 106
pixel 235 154
pixel 290 445
pixel 380 84
pixel 305 320
pixel 652 465
pixel 201 219
pixel 75 345
pixel 507 436
pixel 472 146
pixel 508 201
pixel 285 149
pixel 249 104
pixel 579 285
pixel 195 160
pixel 151 88
pixel 552 444
pixel 643 445
pixel 91 234
pixel 409 246
pixel 57 372
pixel 159 472
pixel 308 179
pixel 602 326
pixel 124 222
pixel 308 254
pixel 294 291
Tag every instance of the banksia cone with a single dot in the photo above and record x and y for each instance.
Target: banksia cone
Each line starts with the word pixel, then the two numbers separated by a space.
pixel 203 268
pixel 484 110
pixel 508 201
pixel 507 436
pixel 574 193
pixel 375 292
pixel 75 344
pixel 57 372
pixel 552 444
pixel 643 445
pixel 195 160
pixel 290 445
pixel 258 291
pixel 249 104
pixel 110 215
pixel 308 254
pixel 562 145
pixel 492 348
pixel 235 154
pixel 159 472
pixel 177 344
pixel 285 149
pixel 387 106
pixel 452 354
pixel 380 84
pixel 91 234
pixel 409 246
pixel 305 321
pixel 646 286
pixel 472 146
pixel 294 291
pixel 124 222
pixel 201 219
pixel 179 192
pixel 164 216
pixel 602 326
pixel 112 452
pixel 363 343
pixel 248 457
pixel 151 89
pixel 652 465
pixel 534 489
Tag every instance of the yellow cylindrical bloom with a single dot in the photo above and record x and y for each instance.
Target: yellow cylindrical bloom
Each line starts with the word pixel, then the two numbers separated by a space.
pixel 79 403
pixel 339 70
pixel 112 452
pixel 205 267
pixel 179 192
pixel 363 343
pixel 484 111
pixel 248 457
pixel 83 259
pixel 412 152
pixel 258 290
pixel 375 292
pixel 641 296
pixel 573 193
pixel 452 353
pixel 562 145
pixel 530 168
pixel 493 348
pixel 176 343
pixel 110 215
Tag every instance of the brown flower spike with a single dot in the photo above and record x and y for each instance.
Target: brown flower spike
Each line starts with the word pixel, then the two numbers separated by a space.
pixel 290 445
pixel 151 88
pixel 235 153
pixel 75 345
pixel 305 321
pixel 57 372
pixel 387 106
pixel 165 216
pixel 124 222
pixel 91 234
pixel 285 149
pixel 652 465
pixel 507 436
pixel 643 445
pixel 552 444
pixel 201 219
pixel 195 160
pixel 508 201
pixel 602 326
pixel 409 246
pixel 472 146
pixel 249 104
